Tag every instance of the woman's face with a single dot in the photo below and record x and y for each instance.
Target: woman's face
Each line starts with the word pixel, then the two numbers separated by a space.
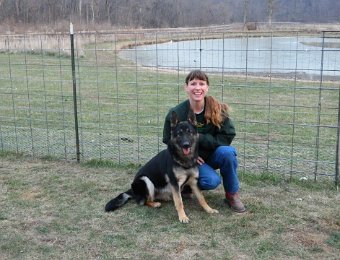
pixel 197 90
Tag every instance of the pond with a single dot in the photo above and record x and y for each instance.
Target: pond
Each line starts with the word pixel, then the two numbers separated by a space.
pixel 283 55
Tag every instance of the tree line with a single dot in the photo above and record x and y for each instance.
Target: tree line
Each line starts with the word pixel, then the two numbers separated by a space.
pixel 168 13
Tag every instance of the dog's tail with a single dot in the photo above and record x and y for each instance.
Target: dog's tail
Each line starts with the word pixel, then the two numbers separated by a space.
pixel 119 201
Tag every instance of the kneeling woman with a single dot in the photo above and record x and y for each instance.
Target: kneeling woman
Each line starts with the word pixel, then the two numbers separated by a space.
pixel 216 132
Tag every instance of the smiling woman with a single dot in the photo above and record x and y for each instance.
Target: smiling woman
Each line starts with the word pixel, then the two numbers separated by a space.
pixel 196 87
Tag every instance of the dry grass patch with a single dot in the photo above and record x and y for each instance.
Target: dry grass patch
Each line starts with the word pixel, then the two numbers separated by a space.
pixel 53 210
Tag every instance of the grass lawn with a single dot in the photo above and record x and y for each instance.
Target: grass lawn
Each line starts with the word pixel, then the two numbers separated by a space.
pixel 55 210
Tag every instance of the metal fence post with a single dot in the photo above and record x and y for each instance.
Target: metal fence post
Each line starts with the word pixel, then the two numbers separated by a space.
pixel 337 160
pixel 74 93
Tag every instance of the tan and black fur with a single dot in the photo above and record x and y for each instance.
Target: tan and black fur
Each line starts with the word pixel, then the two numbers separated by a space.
pixel 168 172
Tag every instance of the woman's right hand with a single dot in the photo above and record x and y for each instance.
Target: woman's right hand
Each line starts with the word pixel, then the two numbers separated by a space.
pixel 200 161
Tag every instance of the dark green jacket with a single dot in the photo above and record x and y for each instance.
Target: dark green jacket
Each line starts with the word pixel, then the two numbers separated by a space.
pixel 210 136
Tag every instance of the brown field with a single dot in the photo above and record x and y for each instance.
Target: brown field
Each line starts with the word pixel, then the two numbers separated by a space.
pixel 54 209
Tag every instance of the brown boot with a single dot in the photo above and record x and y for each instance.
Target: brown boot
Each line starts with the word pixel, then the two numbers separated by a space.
pixel 234 202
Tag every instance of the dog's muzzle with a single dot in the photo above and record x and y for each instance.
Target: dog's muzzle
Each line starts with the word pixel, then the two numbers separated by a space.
pixel 186 148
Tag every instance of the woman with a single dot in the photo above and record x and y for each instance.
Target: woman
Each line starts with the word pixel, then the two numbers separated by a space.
pixel 216 132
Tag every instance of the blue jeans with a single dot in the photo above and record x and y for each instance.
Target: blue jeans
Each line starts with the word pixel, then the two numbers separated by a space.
pixel 225 159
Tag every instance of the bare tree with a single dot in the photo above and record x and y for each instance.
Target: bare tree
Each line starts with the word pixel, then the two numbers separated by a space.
pixel 79 8
pixel 168 13
pixel 245 13
pixel 17 8
pixel 270 12
pixel 108 10
pixel 94 10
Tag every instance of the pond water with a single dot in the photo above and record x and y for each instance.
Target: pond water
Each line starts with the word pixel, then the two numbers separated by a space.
pixel 252 55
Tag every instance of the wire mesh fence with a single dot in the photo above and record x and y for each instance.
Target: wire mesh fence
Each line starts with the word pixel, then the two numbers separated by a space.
pixel 283 88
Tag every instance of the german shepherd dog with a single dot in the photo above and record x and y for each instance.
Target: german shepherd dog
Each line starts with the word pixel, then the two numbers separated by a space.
pixel 168 172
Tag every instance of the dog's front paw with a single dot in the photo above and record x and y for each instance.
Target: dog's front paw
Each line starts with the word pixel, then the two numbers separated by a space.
pixel 153 204
pixel 211 211
pixel 157 204
pixel 183 219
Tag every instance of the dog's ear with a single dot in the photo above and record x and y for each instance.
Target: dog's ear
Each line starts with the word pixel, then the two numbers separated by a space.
pixel 174 119
pixel 192 118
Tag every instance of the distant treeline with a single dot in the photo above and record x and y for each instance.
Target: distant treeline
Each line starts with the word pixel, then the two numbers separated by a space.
pixel 168 13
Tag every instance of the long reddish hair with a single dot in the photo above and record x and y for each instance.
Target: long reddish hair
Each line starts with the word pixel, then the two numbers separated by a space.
pixel 215 112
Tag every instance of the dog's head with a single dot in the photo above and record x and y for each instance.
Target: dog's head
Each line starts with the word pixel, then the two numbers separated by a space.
pixel 184 134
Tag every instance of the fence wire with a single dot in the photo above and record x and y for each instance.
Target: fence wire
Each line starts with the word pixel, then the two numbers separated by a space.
pixel 283 88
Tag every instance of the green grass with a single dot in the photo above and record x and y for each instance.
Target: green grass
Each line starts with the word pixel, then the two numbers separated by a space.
pixel 334 239
pixel 52 209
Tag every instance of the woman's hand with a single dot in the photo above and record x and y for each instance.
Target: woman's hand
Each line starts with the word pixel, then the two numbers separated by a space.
pixel 200 161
